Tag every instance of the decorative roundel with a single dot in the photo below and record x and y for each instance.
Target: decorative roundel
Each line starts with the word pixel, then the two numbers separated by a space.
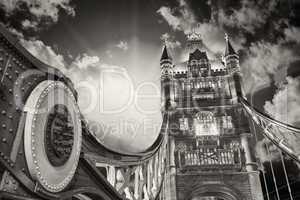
pixel 52 136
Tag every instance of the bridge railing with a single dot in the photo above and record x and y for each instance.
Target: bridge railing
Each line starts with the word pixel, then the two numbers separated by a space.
pixel 135 176
pixel 287 139
pixel 210 158
pixel 284 136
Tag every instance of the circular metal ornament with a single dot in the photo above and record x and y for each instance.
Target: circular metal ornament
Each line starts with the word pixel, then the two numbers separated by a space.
pixel 52 136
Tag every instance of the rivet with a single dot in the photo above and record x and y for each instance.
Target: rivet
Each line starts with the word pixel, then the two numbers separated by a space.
pixel 3 112
pixel 10 130
pixel 10 90
pixel 10 116
pixel 3 125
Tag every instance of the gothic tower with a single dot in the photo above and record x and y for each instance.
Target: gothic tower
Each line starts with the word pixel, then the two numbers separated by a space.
pixel 209 134
pixel 166 80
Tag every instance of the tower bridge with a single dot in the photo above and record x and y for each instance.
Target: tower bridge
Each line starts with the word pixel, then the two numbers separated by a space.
pixel 203 150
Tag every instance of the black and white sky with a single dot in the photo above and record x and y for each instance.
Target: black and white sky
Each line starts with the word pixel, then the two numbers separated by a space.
pixel 111 49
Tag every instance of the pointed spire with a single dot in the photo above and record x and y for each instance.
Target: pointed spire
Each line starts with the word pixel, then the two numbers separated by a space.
pixel 229 49
pixel 165 54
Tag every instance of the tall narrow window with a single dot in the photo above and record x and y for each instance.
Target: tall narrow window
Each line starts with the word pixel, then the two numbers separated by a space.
pixel 205 124
pixel 183 123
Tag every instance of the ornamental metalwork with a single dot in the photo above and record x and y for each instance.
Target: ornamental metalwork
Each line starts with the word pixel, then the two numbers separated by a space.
pixel 52 139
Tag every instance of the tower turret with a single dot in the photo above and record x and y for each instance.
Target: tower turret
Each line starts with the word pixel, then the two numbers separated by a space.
pixel 165 55
pixel 231 57
pixel 231 60
pixel 167 92
pixel 194 41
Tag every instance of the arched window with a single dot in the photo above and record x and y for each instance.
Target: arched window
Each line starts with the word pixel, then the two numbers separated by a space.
pixel 205 124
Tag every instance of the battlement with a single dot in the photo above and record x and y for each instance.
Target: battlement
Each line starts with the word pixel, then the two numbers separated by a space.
pixel 180 74
pixel 218 72
pixel 214 72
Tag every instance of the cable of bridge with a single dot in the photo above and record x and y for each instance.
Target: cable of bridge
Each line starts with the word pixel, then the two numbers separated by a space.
pixel 286 175
pixel 272 171
pixel 250 110
pixel 261 165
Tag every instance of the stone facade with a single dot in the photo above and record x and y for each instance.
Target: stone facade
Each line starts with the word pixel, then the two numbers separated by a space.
pixel 210 134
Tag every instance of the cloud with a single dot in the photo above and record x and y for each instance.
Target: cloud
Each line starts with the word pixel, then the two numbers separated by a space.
pixel 264 59
pixel 122 45
pixel 39 9
pixel 109 53
pixel 170 41
pixel 260 58
pixel 45 53
pixel 267 45
pixel 250 16
pixel 292 34
pixel 285 105
pixel 106 95
pixel 16 33
pixel 84 61
pixel 181 18
pixel 26 24
pixel 262 151
pixel 171 19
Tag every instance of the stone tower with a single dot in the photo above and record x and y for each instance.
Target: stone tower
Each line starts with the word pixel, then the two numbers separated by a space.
pixel 209 134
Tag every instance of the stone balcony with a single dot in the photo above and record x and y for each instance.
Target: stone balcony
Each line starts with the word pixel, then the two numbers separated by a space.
pixel 210 159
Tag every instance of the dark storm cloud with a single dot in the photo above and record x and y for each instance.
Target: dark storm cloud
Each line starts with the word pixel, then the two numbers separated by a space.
pixel 33 15
pixel 260 30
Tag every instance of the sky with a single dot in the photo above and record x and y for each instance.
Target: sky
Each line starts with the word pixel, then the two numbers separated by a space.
pixel 111 49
